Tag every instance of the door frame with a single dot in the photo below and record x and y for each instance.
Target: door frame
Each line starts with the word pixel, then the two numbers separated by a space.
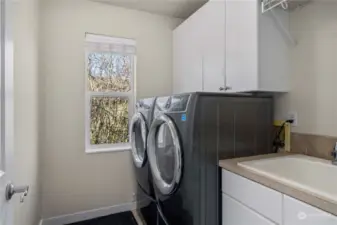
pixel 6 102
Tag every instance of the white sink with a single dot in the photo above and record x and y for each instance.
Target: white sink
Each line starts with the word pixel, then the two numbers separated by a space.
pixel 314 175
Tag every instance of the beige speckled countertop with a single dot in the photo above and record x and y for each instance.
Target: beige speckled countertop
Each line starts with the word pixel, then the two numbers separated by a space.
pixel 232 166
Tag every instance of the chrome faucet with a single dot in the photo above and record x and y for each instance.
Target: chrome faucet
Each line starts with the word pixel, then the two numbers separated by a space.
pixel 334 154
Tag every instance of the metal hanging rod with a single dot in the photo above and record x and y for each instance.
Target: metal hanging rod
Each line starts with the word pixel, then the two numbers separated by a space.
pixel 271 4
pixel 289 5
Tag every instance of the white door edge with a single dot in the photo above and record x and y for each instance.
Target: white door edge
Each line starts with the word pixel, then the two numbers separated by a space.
pixel 6 109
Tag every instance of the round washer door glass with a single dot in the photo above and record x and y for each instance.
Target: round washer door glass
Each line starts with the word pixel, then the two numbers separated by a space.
pixel 138 137
pixel 164 154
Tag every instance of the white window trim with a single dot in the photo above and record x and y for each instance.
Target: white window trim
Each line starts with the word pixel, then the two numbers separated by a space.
pixel 89 148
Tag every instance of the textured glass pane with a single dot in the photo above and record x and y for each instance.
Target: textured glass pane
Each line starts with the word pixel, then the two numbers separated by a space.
pixel 109 71
pixel 109 120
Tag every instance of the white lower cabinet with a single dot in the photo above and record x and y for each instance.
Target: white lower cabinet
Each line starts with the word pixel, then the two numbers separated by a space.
pixel 235 213
pixel 299 213
pixel 245 202
pixel 263 200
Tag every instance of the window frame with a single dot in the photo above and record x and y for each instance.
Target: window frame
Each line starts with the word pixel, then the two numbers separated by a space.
pixel 131 95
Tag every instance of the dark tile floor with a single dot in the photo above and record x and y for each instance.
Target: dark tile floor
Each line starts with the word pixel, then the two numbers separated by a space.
pixel 125 218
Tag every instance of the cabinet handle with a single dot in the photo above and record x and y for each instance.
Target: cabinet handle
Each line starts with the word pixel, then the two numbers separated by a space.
pixel 225 88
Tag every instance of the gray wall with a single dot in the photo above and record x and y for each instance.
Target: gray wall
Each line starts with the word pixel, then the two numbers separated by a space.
pixel 72 180
pixel 313 70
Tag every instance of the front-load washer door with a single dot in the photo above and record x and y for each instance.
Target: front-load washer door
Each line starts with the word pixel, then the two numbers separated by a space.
pixel 138 136
pixel 165 156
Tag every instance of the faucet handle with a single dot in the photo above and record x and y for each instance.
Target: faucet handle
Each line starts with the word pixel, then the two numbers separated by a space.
pixel 334 152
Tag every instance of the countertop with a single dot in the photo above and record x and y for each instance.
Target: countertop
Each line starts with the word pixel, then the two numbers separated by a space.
pixel 232 166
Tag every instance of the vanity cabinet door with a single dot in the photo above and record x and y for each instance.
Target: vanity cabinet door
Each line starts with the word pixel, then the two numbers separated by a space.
pixel 235 213
pixel 300 213
pixel 263 200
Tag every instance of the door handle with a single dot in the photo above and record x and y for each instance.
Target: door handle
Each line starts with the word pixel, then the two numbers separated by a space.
pixel 11 190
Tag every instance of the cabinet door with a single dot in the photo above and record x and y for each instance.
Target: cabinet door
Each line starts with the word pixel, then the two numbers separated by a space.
pixel 213 27
pixel 300 213
pixel 235 213
pixel 263 200
pixel 187 59
pixel 242 45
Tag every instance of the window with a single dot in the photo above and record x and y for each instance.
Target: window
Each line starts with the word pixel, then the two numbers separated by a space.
pixel 110 66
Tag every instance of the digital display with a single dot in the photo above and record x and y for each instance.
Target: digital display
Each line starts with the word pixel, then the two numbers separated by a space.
pixel 179 103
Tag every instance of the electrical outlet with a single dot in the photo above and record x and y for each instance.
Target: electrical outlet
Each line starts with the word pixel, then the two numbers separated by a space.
pixel 293 116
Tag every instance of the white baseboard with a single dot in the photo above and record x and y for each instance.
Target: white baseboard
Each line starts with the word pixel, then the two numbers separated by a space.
pixel 91 214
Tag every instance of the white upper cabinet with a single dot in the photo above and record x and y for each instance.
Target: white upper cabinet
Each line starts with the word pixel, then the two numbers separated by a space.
pixel 199 50
pixel 231 46
pixel 213 47
pixel 257 51
pixel 187 58
pixel 241 45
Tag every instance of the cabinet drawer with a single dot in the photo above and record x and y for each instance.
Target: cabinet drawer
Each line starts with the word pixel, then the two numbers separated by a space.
pixel 263 200
pixel 235 213
pixel 300 213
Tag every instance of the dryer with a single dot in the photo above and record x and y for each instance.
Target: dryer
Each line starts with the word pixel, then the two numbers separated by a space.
pixel 139 127
pixel 189 134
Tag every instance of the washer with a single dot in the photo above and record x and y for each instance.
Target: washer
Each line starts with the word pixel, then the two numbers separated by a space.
pixel 189 134
pixel 139 127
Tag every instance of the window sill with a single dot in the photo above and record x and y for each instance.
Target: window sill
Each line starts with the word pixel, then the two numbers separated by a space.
pixel 109 149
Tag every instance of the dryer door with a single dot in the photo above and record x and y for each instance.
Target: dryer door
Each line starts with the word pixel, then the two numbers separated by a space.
pixel 138 136
pixel 165 156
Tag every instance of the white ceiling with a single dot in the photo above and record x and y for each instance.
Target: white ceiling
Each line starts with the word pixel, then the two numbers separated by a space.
pixel 172 8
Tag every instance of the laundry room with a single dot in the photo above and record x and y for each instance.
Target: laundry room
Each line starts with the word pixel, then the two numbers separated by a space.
pixel 168 112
